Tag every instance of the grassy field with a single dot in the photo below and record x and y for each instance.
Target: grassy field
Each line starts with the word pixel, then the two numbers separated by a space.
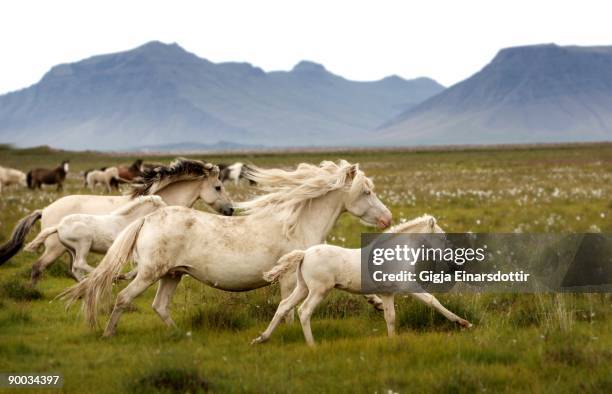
pixel 525 343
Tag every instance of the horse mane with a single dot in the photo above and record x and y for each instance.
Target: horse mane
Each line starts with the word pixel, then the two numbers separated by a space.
pixel 136 203
pixel 290 192
pixel 153 180
pixel 403 227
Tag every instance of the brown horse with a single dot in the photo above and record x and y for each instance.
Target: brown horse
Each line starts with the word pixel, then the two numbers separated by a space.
pixel 39 176
pixel 131 172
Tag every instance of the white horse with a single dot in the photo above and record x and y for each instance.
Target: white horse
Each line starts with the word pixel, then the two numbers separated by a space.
pixel 230 253
pixel 10 176
pixel 80 233
pixel 234 172
pixel 321 268
pixel 181 183
pixel 103 178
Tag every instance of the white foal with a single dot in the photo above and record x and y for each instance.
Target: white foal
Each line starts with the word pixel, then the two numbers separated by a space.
pixel 103 178
pixel 82 233
pixel 323 267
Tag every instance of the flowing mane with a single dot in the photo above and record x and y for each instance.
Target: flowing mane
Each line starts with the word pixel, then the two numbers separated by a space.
pixel 154 179
pixel 404 227
pixel 289 192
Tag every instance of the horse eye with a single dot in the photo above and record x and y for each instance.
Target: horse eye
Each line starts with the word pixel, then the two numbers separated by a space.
pixel 218 188
pixel 367 192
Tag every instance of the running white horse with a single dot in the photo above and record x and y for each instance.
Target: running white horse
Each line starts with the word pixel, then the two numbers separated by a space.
pixel 321 268
pixel 230 253
pixel 80 232
pixel 10 176
pixel 103 178
pixel 181 183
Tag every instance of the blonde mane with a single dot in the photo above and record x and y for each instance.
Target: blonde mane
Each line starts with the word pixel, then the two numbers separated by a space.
pixel 130 207
pixel 290 192
pixel 404 227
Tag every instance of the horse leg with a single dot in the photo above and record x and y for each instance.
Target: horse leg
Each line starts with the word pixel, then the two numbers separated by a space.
pixel 124 299
pixel 432 301
pixel 53 250
pixel 60 186
pixel 165 291
pixel 287 285
pixel 81 248
pixel 286 306
pixel 315 296
pixel 389 308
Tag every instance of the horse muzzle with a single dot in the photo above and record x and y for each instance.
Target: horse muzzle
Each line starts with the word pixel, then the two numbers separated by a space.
pixel 227 210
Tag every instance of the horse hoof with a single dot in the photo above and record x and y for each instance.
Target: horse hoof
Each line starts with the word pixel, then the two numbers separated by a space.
pixel 465 324
pixel 257 340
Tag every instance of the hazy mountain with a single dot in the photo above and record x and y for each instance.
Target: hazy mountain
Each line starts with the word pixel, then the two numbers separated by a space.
pixel 540 93
pixel 161 94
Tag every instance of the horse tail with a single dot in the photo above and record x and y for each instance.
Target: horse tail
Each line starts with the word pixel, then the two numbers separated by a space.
pixel 12 246
pixel 40 239
pixel 29 180
pixel 285 264
pixel 98 285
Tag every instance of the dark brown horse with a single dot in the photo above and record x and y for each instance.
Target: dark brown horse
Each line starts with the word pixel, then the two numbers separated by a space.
pixel 42 176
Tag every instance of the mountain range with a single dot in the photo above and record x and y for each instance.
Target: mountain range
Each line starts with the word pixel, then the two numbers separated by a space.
pixel 161 97
pixel 537 93
pixel 160 94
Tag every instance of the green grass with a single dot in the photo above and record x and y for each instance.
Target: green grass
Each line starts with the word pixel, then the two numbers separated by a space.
pixel 519 343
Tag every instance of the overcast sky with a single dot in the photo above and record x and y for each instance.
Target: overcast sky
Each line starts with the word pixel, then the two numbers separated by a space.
pixel 361 40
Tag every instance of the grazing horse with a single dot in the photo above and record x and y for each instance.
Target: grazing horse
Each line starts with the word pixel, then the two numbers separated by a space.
pixel 39 176
pixel 80 233
pixel 321 268
pixel 230 253
pixel 103 177
pixel 183 182
pixel 10 176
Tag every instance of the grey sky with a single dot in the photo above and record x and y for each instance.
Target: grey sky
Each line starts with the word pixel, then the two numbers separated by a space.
pixel 361 40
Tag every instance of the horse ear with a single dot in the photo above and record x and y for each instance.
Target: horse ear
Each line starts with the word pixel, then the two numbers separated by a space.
pixel 214 171
pixel 432 223
pixel 351 171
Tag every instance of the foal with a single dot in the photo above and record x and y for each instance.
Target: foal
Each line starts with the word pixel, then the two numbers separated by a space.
pixel 80 233
pixel 104 177
pixel 321 268
pixel 39 176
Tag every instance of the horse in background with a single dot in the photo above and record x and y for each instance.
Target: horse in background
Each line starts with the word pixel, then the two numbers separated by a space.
pixel 42 176
pixel 10 176
pixel 105 178
pixel 234 172
pixel 131 172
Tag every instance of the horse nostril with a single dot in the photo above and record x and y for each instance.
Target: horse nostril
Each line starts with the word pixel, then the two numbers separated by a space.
pixel 228 211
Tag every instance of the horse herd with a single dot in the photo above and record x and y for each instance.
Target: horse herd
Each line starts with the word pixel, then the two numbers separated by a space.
pixel 278 235
pixel 108 177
